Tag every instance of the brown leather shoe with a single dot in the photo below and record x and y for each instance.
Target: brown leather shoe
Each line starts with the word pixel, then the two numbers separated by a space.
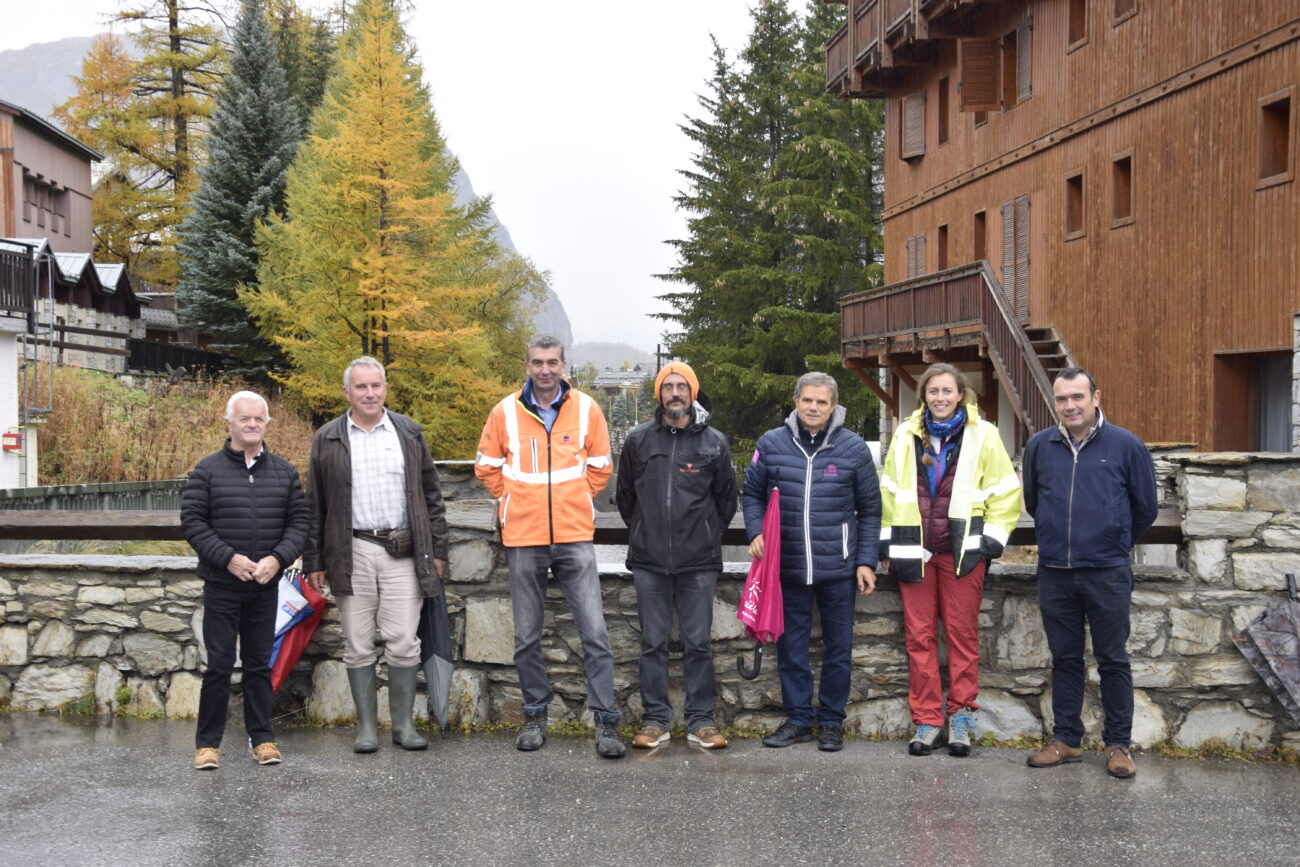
pixel 1055 753
pixel 1119 762
pixel 707 738
pixel 650 736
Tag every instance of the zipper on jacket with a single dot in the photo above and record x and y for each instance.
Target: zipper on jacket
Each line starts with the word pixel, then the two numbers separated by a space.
pixel 844 539
pixel 550 508
pixel 1069 512
pixel 807 506
pixel 672 469
pixel 534 441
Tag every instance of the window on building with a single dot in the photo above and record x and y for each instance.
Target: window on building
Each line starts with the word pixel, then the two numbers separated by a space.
pixel 1121 189
pixel 981 118
pixel 943 110
pixel 912 129
pixel 1015 254
pixel 1125 9
pixel 941 248
pixel 1009 70
pixel 978 65
pixel 29 198
pixel 1074 213
pixel 1077 25
pixel 1275 137
pixel 915 252
pixel 42 203
pixel 979 243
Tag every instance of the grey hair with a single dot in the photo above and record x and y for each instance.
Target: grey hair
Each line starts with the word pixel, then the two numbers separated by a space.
pixel 245 395
pixel 363 361
pixel 545 341
pixel 817 379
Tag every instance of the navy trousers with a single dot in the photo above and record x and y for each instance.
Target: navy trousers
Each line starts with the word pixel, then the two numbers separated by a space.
pixel 834 600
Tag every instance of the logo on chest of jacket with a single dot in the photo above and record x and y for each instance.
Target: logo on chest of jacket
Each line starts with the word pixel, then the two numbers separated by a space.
pixel 689 468
pixel 831 471
pixel 566 438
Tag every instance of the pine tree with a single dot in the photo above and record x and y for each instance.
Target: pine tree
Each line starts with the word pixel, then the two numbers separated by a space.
pixel 783 221
pixel 374 257
pixel 305 45
pixel 255 132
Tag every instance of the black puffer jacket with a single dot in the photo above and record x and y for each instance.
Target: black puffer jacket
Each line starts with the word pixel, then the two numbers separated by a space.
pixel 230 509
pixel 676 492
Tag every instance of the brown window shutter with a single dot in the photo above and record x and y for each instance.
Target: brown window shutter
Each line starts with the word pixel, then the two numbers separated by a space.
pixel 1022 257
pixel 1024 56
pixel 1009 250
pixel 978 66
pixel 913 125
pixel 909 247
pixel 920 254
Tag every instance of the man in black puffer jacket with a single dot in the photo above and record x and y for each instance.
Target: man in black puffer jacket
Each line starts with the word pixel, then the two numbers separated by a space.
pixel 243 511
pixel 677 493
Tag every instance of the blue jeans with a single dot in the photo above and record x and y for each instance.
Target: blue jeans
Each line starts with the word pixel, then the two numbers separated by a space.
pixel 574 566
pixel 691 593
pixel 835 606
pixel 1067 598
pixel 244 610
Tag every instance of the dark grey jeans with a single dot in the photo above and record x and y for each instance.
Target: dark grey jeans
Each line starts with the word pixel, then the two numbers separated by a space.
pixel 574 566
pixel 657 595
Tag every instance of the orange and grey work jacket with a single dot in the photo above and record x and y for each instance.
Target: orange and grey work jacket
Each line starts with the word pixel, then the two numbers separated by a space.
pixel 545 481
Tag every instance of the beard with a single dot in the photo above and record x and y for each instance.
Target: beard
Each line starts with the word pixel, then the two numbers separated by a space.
pixel 677 411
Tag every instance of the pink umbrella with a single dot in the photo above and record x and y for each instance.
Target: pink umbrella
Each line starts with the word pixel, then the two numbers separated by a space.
pixel 760 604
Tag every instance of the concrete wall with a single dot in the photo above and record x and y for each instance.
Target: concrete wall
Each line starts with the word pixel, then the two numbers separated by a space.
pixel 118 631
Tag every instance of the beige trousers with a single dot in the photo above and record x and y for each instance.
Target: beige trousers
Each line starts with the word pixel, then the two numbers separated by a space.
pixel 385 603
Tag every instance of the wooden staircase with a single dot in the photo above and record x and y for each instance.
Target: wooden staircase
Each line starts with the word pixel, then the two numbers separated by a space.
pixel 1051 351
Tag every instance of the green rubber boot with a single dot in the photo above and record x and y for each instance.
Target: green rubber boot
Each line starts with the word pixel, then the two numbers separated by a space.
pixel 401 702
pixel 362 682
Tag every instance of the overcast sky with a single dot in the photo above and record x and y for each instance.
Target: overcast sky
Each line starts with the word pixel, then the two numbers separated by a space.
pixel 566 112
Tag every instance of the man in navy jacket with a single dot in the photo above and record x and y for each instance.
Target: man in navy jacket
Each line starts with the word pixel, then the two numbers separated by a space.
pixel 1091 489
pixel 830 532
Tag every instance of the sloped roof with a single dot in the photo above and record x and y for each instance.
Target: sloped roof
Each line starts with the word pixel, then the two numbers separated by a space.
pixel 49 130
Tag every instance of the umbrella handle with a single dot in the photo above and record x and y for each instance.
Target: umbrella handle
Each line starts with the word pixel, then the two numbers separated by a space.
pixel 751 673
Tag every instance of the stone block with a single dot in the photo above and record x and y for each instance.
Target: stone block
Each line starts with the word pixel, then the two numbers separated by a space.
pixel 725 623
pixel 1220 671
pixel 1280 537
pixel 872 656
pixel 13 645
pixel 196 628
pixel 1244 615
pixel 6 589
pixel 468 703
pixel 1225 721
pixel 880 602
pixel 1204 491
pixel 135 595
pixel 1022 643
pixel 1147 635
pixel 145 700
pixel 183 695
pixel 1149 723
pixel 1273 488
pixel 156 621
pixel 108 617
pixel 883 717
pixel 55 640
pixel 1194 633
pixel 331 698
pixel 1219 523
pixel 151 654
pixel 49 589
pixel 473 515
pixel 107 680
pixel 1005 716
pixel 1155 673
pixel 6 689
pixel 49 609
pixel 46 687
pixel 101 595
pixel 489 630
pixel 878 626
pixel 190 589
pixel 762 722
pixel 1251 571
pixel 470 562
pixel 1207 559
pixel 95 647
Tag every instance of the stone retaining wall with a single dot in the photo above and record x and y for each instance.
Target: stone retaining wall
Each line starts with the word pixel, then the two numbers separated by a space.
pixel 119 633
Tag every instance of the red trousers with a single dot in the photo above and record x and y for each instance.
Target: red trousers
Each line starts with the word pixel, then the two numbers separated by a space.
pixel 941 595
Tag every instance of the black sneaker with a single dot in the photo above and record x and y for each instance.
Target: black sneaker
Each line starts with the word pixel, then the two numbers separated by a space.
pixel 609 743
pixel 830 739
pixel 788 735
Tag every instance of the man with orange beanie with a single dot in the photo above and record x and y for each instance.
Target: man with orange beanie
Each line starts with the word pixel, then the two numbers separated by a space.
pixel 676 492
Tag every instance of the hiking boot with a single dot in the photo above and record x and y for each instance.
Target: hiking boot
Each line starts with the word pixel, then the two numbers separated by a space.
pixel 922 743
pixel 533 732
pixel 207 759
pixel 1119 762
pixel 609 743
pixel 830 739
pixel 1055 753
pixel 267 754
pixel 650 736
pixel 707 737
pixel 960 725
pixel 788 734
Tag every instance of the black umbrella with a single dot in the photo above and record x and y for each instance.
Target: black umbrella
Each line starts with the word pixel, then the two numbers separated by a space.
pixel 435 656
pixel 1271 643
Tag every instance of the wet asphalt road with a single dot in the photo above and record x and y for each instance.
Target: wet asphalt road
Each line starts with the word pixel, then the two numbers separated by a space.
pixel 124 793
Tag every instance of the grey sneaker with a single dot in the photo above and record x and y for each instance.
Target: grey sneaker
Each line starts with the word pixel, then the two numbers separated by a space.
pixel 924 740
pixel 960 726
pixel 609 743
pixel 533 733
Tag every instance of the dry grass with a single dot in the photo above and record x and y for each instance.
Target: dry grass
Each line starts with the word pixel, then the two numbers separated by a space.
pixel 103 430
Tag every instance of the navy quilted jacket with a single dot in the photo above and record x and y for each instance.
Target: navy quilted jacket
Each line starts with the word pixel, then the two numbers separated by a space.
pixel 830 501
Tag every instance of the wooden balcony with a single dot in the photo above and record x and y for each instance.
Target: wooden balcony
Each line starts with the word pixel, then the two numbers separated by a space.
pixel 958 314
pixel 17 284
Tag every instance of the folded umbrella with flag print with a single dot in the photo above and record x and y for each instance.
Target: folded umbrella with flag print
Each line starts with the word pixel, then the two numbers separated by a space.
pixel 761 608
pixel 304 608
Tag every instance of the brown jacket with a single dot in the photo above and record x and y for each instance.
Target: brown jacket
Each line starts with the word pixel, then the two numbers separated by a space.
pixel 329 502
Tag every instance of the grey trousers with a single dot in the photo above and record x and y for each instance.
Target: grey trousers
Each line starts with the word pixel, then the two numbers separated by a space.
pixel 691 595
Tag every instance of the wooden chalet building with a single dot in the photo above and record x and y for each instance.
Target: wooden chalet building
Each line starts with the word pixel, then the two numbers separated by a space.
pixel 1109 183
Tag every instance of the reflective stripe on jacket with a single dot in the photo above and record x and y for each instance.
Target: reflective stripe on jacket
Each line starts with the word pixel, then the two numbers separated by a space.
pixel 545 481
pixel 982 511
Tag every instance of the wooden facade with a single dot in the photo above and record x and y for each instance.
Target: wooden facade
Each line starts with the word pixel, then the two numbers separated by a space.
pixel 1126 167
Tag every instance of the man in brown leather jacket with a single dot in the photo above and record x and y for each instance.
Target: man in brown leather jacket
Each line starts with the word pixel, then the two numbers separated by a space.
pixel 378 535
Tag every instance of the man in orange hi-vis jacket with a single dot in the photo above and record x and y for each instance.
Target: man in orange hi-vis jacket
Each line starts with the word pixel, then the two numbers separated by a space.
pixel 545 455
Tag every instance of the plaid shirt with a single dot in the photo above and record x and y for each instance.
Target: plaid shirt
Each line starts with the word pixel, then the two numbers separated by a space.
pixel 378 483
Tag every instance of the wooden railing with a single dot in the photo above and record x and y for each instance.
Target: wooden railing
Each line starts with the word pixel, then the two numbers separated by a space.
pixel 150 355
pixel 896 12
pixel 837 56
pixel 17 283
pixel 868 27
pixel 965 296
